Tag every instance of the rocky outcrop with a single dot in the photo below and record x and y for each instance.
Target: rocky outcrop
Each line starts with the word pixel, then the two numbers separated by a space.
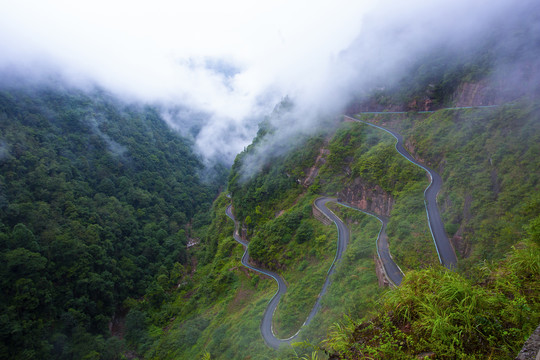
pixel 475 94
pixel 367 197
pixel 531 348
pixel 424 104
pixel 244 233
pixel 314 170
pixel 381 274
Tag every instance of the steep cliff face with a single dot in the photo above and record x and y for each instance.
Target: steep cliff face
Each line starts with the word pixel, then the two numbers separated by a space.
pixel 367 197
pixel 479 93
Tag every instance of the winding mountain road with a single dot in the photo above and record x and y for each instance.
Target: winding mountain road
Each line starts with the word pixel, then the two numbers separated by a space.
pixel 391 269
pixel 267 331
pixel 445 251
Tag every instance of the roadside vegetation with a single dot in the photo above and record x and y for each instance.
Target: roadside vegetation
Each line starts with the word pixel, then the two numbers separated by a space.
pixel 277 216
pixel 490 169
pixel 278 223
pixel 445 315
pixel 489 164
pixel 216 309
pixel 360 152
pixel 98 201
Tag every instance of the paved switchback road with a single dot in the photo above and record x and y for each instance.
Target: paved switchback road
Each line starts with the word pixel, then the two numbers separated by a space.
pixel 391 269
pixel 447 256
pixel 445 251
pixel 267 331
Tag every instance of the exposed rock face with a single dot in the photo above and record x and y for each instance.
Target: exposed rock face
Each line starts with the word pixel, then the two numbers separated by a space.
pixel 243 233
pixel 475 94
pixel 368 197
pixel 420 105
pixel 381 275
pixel 314 170
pixel 531 348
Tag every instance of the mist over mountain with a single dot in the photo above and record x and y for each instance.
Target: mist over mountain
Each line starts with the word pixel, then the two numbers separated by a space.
pixel 218 70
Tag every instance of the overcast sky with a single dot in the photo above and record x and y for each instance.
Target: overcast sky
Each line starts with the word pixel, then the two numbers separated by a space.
pixel 174 52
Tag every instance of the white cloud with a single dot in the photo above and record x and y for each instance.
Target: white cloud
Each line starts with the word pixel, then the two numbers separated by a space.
pixel 159 51
pixel 150 50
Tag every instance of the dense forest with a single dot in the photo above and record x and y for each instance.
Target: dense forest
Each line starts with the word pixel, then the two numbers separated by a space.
pixel 95 199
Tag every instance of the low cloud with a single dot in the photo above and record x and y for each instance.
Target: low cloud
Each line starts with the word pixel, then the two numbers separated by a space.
pixel 116 149
pixel 217 68
pixel 4 150
pixel 393 37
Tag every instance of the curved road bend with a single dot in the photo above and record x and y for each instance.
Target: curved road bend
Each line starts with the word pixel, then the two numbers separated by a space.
pixel 391 269
pixel 267 331
pixel 445 251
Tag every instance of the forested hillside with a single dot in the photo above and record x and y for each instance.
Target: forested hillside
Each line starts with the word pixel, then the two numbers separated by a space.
pixel 488 159
pixel 95 196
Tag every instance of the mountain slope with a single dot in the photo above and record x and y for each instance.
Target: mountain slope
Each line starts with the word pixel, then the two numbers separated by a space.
pixel 359 163
pixel 94 199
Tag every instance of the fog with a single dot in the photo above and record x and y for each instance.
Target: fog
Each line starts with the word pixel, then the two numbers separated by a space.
pixel 216 69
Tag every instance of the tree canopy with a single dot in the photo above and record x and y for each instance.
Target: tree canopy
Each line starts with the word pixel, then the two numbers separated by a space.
pixel 94 199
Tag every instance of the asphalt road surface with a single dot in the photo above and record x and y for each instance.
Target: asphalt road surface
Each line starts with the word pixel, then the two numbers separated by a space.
pixel 392 270
pixel 267 331
pixel 266 324
pixel 447 256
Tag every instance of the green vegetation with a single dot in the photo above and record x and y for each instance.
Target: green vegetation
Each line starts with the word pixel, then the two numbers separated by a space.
pixel 354 288
pixel 449 316
pixel 304 263
pixel 275 187
pixel 98 200
pixel 216 309
pixel 284 237
pixel 489 162
pixel 94 201
pixel 361 155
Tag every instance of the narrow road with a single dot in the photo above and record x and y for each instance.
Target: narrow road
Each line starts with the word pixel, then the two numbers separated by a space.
pixel 445 251
pixel 391 269
pixel 267 331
